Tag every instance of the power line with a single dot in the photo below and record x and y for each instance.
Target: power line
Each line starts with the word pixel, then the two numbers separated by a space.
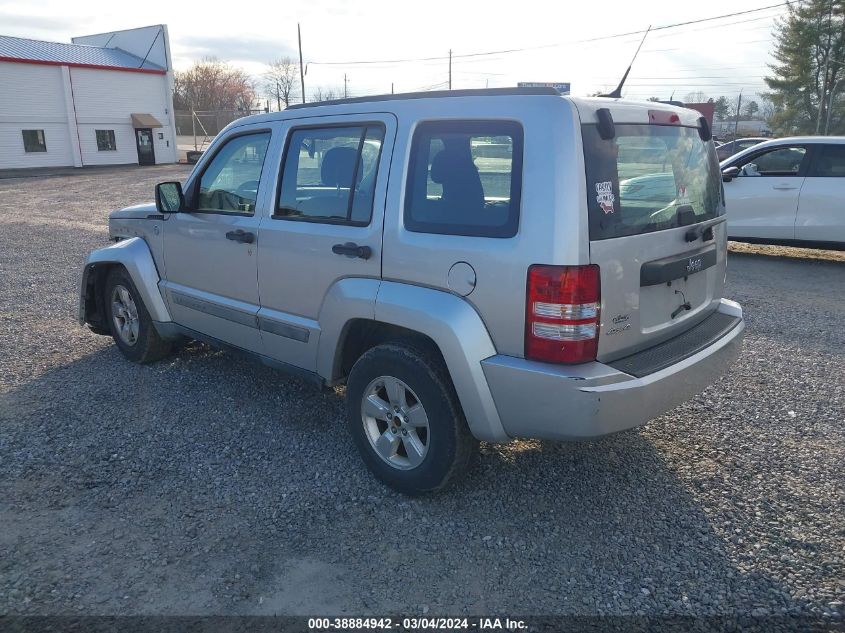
pixel 531 48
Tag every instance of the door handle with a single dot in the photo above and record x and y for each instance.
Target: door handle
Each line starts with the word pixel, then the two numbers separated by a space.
pixel 245 237
pixel 784 187
pixel 351 249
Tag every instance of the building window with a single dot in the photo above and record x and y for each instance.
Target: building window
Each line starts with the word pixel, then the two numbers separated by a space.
pixel 105 141
pixel 33 141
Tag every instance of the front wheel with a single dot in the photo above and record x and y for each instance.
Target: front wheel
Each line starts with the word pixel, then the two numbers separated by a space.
pixel 131 326
pixel 405 418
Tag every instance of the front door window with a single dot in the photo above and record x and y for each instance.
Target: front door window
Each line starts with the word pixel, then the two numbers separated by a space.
pixel 781 161
pixel 230 182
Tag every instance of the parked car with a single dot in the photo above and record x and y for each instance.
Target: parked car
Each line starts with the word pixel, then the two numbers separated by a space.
pixel 790 190
pixel 397 244
pixel 726 150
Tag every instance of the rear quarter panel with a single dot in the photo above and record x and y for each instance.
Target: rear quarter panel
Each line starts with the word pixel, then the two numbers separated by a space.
pixel 552 224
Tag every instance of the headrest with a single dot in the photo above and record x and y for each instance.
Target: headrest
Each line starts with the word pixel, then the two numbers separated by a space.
pixel 338 167
pixel 450 163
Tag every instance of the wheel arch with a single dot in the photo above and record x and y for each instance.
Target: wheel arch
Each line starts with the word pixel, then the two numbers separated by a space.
pixel 365 313
pixel 134 256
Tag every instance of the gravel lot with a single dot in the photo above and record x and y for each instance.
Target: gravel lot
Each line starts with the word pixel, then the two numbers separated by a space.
pixel 207 485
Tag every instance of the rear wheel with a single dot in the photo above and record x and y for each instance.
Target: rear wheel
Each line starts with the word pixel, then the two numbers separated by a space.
pixel 130 324
pixel 405 418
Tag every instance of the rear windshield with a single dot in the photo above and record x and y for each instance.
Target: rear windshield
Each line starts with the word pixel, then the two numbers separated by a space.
pixel 649 178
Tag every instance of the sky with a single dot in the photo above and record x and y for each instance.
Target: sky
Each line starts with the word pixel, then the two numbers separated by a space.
pixel 718 57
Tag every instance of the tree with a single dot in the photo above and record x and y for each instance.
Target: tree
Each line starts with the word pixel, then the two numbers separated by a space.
pixel 750 109
pixel 281 81
pixel 695 97
pixel 325 94
pixel 213 85
pixel 653 99
pixel 722 108
pixel 807 84
pixel 767 109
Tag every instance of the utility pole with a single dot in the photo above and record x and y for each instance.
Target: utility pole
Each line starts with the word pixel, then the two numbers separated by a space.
pixel 345 81
pixel 278 96
pixel 738 106
pixel 450 69
pixel 391 87
pixel 301 68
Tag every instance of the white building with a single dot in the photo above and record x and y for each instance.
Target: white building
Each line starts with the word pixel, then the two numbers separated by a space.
pixel 105 99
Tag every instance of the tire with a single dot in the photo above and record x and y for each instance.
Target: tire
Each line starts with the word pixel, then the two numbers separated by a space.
pixel 129 322
pixel 424 446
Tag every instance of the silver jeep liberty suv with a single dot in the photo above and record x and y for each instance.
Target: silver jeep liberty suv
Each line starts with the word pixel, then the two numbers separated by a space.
pixel 473 265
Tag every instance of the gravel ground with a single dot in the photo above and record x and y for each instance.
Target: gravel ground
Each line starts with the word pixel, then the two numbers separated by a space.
pixel 207 485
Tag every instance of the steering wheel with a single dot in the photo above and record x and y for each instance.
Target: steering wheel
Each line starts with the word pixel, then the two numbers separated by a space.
pixel 225 200
pixel 248 189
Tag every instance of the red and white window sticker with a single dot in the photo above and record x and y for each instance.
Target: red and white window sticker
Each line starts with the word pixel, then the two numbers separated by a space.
pixel 605 197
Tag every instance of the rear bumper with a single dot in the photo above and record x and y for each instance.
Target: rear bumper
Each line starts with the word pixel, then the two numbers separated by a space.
pixel 565 402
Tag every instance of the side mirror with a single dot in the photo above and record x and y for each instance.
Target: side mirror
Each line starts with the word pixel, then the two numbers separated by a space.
pixel 729 173
pixel 169 197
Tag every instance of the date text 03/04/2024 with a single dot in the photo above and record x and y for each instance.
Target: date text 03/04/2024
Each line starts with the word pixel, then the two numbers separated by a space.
pixel 415 624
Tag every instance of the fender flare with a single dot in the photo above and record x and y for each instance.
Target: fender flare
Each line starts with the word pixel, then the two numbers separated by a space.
pixel 457 329
pixel 448 320
pixel 135 256
pixel 348 299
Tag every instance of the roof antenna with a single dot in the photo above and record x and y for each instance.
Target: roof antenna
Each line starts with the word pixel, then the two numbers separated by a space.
pixel 617 93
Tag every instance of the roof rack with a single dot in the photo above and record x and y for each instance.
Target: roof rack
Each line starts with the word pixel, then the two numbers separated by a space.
pixel 433 94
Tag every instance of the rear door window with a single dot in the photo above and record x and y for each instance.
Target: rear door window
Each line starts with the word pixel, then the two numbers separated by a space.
pixel 329 174
pixel 649 178
pixel 830 162
pixel 465 178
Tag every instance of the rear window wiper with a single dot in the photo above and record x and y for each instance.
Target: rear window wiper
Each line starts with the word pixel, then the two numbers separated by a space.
pixel 704 229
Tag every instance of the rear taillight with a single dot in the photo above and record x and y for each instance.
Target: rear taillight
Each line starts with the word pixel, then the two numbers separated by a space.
pixel 562 313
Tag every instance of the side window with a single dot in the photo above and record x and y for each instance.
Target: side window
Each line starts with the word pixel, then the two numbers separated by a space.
pixel 105 141
pixel 230 182
pixel 465 178
pixel 329 174
pixel 831 162
pixel 33 141
pixel 782 161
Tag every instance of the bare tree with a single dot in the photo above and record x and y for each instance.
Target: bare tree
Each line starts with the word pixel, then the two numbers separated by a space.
pixel 767 108
pixel 733 108
pixel 281 81
pixel 325 94
pixel 213 85
pixel 695 97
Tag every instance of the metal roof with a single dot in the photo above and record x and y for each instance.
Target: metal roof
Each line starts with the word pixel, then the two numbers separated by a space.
pixel 18 49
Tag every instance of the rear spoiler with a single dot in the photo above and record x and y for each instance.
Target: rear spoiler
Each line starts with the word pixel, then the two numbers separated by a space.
pixel 607 128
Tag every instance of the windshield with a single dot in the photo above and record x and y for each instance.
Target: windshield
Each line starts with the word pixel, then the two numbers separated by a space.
pixel 649 178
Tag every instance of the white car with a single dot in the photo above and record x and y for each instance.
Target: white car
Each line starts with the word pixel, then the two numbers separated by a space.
pixel 789 190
